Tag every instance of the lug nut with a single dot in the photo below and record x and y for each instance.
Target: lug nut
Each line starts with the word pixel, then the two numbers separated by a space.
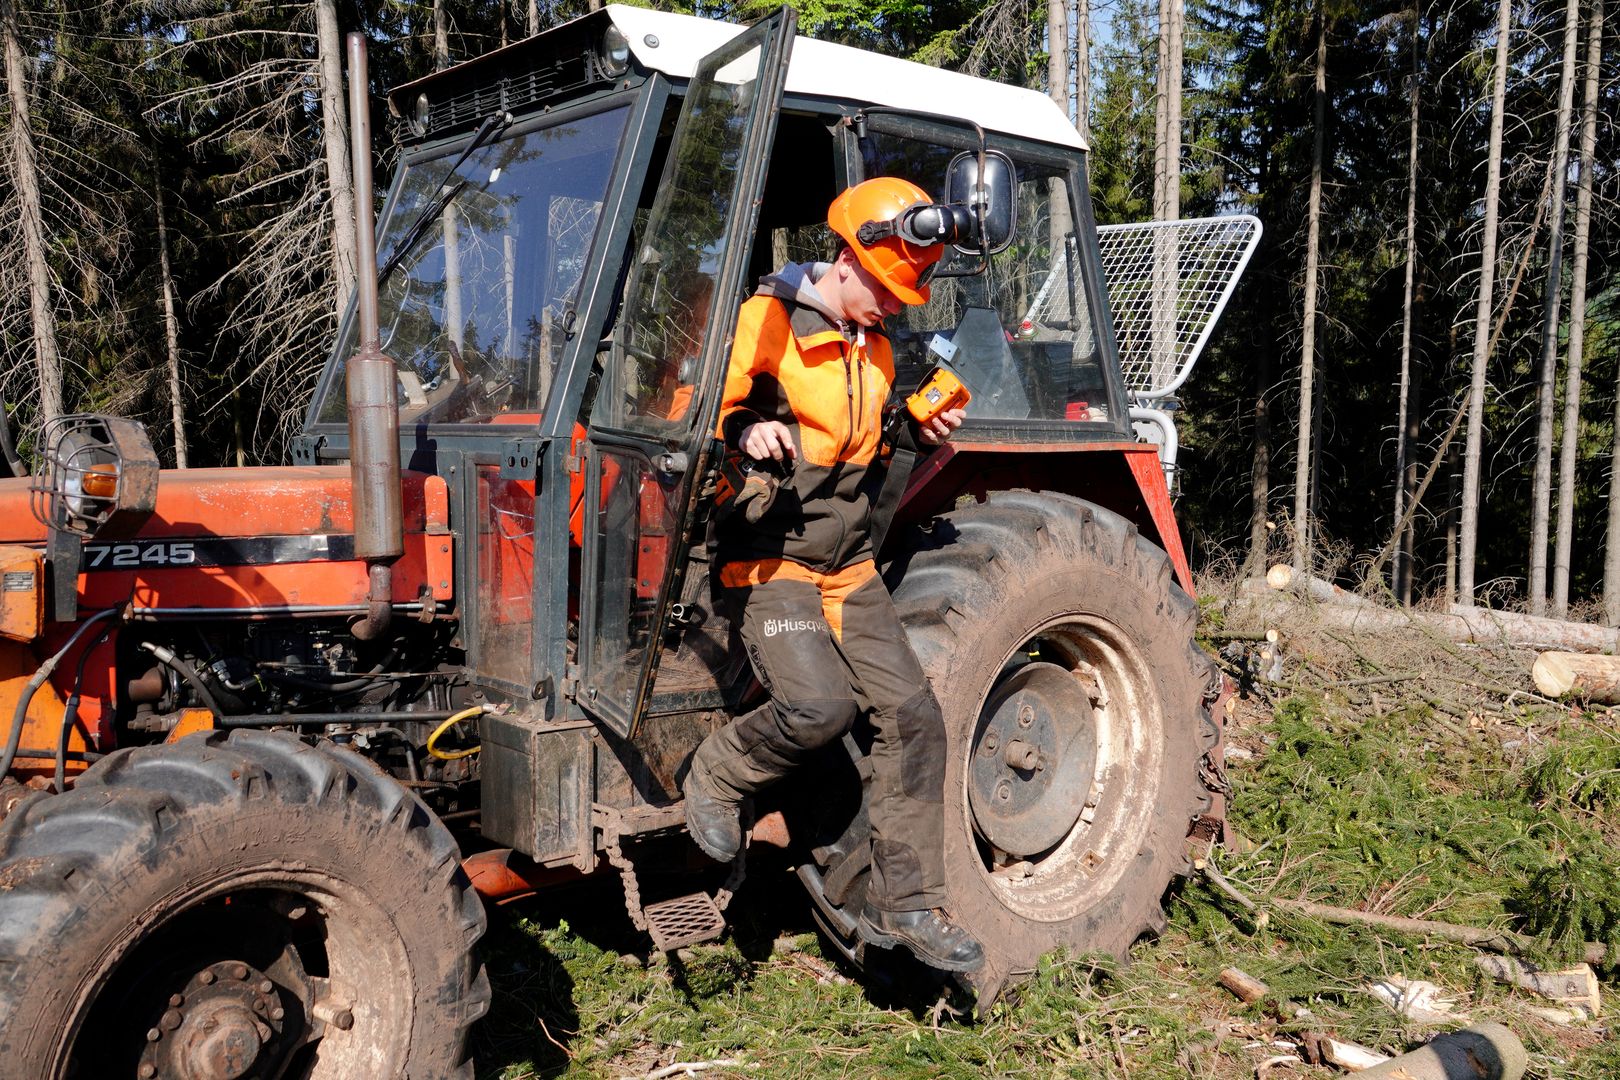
pixel 171 1020
pixel 148 1071
pixel 1026 716
pixel 206 978
pixel 1003 791
pixel 265 986
pixel 153 1035
pixel 277 1013
pixel 264 1032
pixel 239 971
pixel 176 1000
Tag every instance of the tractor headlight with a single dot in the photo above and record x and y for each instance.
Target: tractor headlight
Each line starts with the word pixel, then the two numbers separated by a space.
pixel 615 52
pixel 98 478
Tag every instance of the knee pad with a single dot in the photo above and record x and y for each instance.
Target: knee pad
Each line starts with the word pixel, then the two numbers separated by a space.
pixel 810 725
pixel 922 747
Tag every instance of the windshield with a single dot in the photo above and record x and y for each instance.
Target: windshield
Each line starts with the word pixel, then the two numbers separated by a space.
pixel 476 313
pixel 1022 331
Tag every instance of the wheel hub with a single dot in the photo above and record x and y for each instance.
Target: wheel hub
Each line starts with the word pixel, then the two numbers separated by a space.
pixel 1033 760
pixel 228 1020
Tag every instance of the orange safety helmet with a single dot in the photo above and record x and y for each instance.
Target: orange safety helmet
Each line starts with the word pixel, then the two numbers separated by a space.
pixel 902 266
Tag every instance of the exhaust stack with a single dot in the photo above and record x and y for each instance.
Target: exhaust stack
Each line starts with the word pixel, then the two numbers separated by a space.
pixel 371 384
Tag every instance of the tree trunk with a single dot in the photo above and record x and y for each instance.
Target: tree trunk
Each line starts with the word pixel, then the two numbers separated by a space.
pixel 441 37
pixel 1577 325
pixel 24 163
pixel 1552 295
pixel 455 323
pixel 1161 110
pixel 1307 363
pixel 1057 86
pixel 335 134
pixel 1468 537
pixel 171 330
pixel 534 17
pixel 1414 434
pixel 1082 69
pixel 1400 569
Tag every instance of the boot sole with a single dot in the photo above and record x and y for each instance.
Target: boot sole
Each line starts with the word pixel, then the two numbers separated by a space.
pixel 885 940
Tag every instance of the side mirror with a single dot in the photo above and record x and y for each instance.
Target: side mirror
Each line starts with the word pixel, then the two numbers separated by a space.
pixel 992 198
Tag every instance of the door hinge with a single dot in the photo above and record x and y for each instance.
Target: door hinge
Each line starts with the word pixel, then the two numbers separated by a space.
pixel 520 457
pixel 306 449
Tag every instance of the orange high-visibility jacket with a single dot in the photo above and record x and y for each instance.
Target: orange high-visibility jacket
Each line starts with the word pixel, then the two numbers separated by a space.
pixel 793 362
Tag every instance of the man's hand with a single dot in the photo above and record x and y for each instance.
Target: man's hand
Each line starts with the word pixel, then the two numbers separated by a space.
pixel 939 430
pixel 768 439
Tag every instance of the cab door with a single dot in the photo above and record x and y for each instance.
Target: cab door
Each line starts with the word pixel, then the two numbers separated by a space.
pixel 663 364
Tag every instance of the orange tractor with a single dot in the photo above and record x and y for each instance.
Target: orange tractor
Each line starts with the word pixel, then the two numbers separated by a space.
pixel 273 732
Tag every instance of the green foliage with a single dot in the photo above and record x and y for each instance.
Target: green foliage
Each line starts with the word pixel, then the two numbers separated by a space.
pixel 1584 771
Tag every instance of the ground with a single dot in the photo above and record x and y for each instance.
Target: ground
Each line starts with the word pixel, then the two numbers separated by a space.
pixel 1410 778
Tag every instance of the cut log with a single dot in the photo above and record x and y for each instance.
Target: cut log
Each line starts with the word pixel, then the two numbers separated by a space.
pixel 1258 604
pixel 1573 986
pixel 1248 988
pixel 1486 1051
pixel 1593 677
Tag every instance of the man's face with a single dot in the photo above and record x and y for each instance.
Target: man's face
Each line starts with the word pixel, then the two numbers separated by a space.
pixel 867 301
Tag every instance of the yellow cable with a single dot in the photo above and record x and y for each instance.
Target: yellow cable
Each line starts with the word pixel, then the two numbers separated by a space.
pixel 464 714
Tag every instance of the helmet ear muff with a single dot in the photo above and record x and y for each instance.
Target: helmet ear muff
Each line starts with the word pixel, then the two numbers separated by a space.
pixel 923 224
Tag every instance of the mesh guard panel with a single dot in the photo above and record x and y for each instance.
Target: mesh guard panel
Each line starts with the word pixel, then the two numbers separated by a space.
pixel 1167 284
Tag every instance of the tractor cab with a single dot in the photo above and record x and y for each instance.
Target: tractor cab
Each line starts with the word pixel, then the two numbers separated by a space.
pixel 562 255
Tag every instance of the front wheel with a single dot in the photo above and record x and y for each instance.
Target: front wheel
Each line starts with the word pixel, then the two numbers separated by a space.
pixel 1077 713
pixel 237 904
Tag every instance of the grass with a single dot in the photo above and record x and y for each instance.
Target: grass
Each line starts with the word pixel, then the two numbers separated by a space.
pixel 1509 821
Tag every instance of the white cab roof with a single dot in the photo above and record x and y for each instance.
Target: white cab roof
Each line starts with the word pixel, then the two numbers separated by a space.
pixel 674 44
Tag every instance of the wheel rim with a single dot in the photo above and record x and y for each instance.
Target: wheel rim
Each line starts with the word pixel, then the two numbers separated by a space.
pixel 266 976
pixel 1061 774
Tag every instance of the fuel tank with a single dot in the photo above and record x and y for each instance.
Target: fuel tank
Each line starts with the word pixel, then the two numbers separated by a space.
pixel 255 543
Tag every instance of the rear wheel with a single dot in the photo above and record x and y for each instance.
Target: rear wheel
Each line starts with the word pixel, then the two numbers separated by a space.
pixel 1077 713
pixel 235 905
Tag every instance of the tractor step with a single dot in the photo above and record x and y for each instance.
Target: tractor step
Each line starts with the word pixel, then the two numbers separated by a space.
pixel 685 920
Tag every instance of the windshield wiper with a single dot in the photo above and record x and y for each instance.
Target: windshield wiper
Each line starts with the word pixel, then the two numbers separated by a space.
pixel 448 190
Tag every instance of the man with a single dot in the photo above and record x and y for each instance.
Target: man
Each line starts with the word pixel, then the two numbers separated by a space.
pixel 809 376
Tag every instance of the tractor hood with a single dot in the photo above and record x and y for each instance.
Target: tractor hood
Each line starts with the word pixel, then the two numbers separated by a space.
pixel 255 542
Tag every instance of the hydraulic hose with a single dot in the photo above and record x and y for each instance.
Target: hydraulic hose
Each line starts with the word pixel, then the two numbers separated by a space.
pixel 167 658
pixel 456 718
pixel 70 714
pixel 20 714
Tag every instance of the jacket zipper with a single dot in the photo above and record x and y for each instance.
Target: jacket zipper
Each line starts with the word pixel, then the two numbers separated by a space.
pixel 849 392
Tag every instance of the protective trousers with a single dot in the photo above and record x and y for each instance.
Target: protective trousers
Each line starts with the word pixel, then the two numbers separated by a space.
pixel 827 647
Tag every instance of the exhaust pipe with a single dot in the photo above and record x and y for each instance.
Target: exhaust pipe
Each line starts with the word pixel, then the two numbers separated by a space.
pixel 370 381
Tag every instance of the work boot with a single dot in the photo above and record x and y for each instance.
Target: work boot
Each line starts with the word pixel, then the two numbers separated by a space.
pixel 715 824
pixel 932 938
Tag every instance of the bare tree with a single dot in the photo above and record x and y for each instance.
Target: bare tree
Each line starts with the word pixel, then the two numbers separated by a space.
pixel 1307 363
pixel 171 329
pixel 1082 68
pixel 1569 451
pixel 1167 114
pixel 1057 87
pixel 23 160
pixel 1552 296
pixel 1401 568
pixel 1468 533
pixel 335 142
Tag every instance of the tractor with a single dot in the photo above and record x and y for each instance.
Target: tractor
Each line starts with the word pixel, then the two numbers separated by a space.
pixel 276 735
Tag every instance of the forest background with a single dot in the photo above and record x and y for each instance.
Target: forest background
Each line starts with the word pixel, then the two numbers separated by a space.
pixel 1421 363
